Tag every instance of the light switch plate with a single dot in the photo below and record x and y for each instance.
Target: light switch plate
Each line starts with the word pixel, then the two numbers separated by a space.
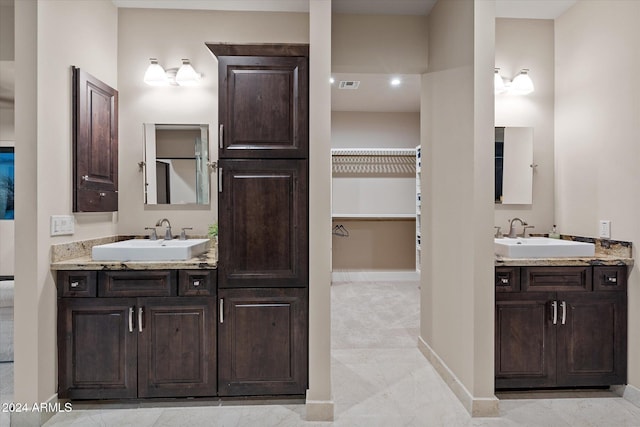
pixel 62 225
pixel 605 229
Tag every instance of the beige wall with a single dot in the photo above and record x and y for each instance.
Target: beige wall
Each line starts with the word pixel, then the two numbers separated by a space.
pixel 158 33
pixel 88 32
pixel 319 396
pixel 6 30
pixel 375 245
pixel 597 132
pixel 528 43
pixel 457 125
pixel 355 129
pixel 379 44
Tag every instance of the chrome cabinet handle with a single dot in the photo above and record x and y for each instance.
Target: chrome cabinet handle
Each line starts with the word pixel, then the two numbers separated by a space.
pixel 221 136
pixel 221 309
pixel 219 180
pixel 130 319
pixel 85 177
pixel 612 279
pixel 563 304
pixel 75 284
pixel 140 310
pixel 554 304
pixel 196 283
pixel 504 281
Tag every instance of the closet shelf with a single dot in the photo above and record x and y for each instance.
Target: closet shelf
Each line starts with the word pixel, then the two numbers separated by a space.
pixel 374 161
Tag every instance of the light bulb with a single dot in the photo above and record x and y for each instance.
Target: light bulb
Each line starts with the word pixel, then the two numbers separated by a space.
pixel 186 75
pixel 522 84
pixel 155 74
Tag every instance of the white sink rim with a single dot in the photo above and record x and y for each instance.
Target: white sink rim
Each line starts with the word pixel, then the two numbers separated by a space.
pixel 150 250
pixel 542 247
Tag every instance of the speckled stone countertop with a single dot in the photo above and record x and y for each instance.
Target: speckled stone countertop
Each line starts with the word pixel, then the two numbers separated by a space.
pixel 608 252
pixel 77 256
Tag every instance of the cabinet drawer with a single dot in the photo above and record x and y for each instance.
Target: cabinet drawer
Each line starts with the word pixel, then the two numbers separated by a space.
pixel 144 283
pixel 507 279
pixel 77 283
pixel 549 279
pixel 610 278
pixel 196 282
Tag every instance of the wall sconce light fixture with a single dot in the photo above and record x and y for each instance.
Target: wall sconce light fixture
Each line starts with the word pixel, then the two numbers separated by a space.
pixel 520 85
pixel 186 75
pixel 155 74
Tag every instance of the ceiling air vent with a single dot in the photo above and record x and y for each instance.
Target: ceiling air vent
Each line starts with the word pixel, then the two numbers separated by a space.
pixel 349 84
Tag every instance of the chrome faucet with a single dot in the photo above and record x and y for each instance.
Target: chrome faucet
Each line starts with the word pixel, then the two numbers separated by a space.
pixel 512 231
pixel 167 233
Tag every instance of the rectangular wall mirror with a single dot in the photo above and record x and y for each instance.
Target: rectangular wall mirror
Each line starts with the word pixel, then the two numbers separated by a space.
pixel 514 165
pixel 176 158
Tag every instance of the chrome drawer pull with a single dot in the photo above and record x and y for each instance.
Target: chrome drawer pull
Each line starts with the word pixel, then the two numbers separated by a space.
pixel 564 312
pixel 140 319
pixel 75 284
pixel 130 319
pixel 555 312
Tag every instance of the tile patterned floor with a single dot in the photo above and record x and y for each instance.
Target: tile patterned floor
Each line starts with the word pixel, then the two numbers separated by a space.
pixel 379 379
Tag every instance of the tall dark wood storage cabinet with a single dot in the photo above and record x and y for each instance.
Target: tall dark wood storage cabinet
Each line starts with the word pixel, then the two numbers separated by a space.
pixel 263 215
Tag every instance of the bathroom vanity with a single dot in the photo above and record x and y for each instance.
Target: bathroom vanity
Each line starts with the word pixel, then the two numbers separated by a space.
pixel 561 322
pixel 119 324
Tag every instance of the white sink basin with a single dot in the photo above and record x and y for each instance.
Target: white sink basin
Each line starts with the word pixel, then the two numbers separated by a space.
pixel 542 247
pixel 150 250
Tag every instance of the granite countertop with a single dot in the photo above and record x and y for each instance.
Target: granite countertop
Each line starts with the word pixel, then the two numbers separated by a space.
pixel 608 252
pixel 77 256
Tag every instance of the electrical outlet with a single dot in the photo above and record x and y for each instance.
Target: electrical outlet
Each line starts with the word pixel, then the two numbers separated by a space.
pixel 605 229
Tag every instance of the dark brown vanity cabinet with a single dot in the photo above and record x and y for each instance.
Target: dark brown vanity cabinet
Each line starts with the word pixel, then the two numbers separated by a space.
pixel 134 345
pixel 561 327
pixel 262 342
pixel 263 101
pixel 95 144
pixel 263 224
pixel 264 219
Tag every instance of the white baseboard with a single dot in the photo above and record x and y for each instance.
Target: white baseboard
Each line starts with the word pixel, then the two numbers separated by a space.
pixel 375 276
pixel 477 407
pixel 628 392
pixel 36 417
pixel 319 410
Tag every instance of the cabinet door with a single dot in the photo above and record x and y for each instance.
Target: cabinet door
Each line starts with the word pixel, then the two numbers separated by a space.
pixel 592 347
pixel 95 142
pixel 525 340
pixel 263 107
pixel 263 224
pixel 262 342
pixel 96 348
pixel 176 347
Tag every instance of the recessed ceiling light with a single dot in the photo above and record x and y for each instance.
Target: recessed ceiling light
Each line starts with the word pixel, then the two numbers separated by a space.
pixel 395 81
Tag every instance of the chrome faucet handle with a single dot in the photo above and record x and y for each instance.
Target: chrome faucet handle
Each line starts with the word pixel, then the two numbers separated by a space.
pixel 524 230
pixel 183 233
pixel 498 232
pixel 152 234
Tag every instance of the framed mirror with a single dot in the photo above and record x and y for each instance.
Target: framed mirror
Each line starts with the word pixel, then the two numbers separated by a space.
pixel 514 165
pixel 176 164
